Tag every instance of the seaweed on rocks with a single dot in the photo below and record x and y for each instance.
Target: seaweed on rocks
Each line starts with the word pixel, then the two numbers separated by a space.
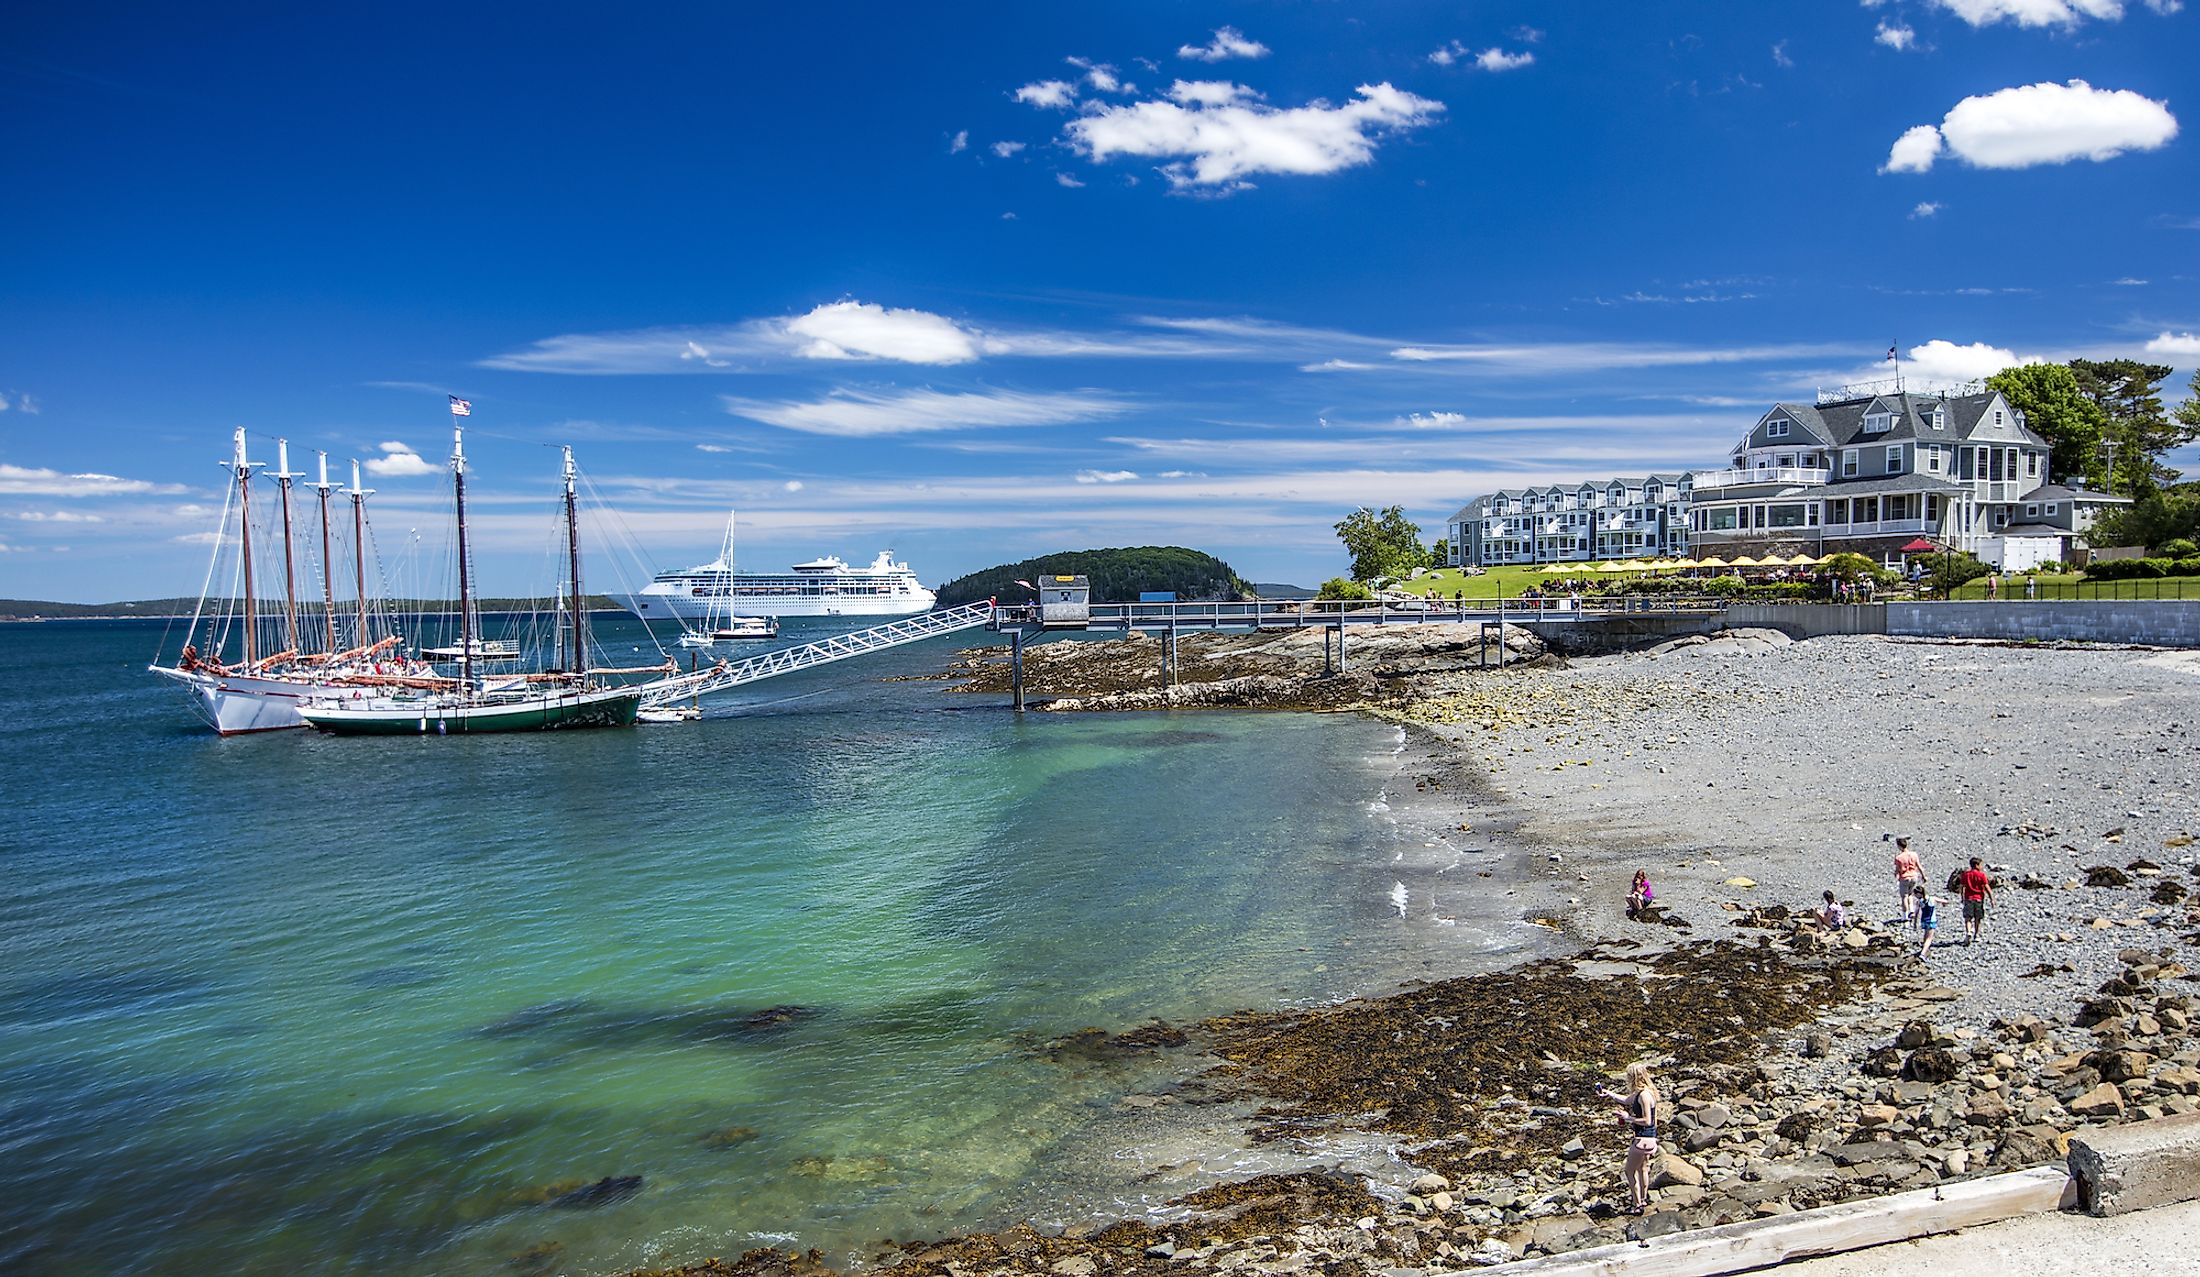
pixel 1479 1064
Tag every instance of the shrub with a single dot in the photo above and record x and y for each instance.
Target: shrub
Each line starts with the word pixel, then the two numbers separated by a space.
pixel 1947 571
pixel 2189 566
pixel 2177 548
pixel 2128 570
pixel 1338 587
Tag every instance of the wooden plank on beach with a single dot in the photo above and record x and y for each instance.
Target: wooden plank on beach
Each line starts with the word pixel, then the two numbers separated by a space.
pixel 1828 1230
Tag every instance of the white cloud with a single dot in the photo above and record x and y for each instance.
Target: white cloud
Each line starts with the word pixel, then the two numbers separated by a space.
pixel 1219 146
pixel 959 143
pixel 1106 476
pixel 1432 420
pixel 1006 149
pixel 1048 93
pixel 1229 42
pixel 2128 282
pixel 1210 93
pixel 695 350
pixel 1100 75
pixel 2037 13
pixel 1500 60
pixel 2038 124
pixel 1896 36
pixel 56 516
pixel 1944 361
pixel 398 460
pixel 26 405
pixel 1065 179
pixel 791 485
pixel 1337 365
pixel 1780 55
pixel 1914 151
pixel 2176 345
pixel 1575 356
pixel 30 481
pixel 862 414
pixel 3 403
pixel 864 330
pixel 1925 208
pixel 712 447
pixel 197 538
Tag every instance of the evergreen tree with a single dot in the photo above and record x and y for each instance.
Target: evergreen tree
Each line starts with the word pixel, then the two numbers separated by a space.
pixel 2127 392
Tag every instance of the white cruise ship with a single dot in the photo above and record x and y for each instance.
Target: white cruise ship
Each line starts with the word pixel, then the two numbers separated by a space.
pixel 821 587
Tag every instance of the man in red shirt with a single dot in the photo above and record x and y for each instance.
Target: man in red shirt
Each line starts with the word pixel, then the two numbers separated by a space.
pixel 1978 889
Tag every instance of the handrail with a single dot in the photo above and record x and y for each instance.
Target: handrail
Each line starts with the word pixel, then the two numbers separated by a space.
pixel 839 647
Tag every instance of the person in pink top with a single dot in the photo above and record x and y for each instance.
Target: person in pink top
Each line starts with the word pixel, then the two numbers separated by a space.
pixel 1909 879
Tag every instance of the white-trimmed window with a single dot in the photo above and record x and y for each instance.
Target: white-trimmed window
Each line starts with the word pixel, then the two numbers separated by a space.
pixel 1894 458
pixel 1777 428
pixel 1997 416
pixel 1931 453
pixel 2031 509
pixel 1848 463
pixel 2032 465
pixel 2050 508
pixel 1878 423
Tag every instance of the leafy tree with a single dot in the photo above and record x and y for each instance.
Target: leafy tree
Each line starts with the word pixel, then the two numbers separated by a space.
pixel 2128 393
pixel 2057 409
pixel 1386 544
pixel 1850 566
pixel 1338 587
pixel 1441 551
pixel 1947 571
pixel 2158 516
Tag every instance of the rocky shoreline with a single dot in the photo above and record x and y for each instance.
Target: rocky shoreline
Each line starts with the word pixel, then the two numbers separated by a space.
pixel 1800 1068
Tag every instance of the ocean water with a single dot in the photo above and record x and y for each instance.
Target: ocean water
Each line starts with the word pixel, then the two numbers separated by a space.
pixel 292 1003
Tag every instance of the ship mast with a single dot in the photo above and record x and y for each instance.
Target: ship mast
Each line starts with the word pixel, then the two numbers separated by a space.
pixel 283 476
pixel 359 547
pixel 465 587
pixel 574 599
pixel 243 467
pixel 328 569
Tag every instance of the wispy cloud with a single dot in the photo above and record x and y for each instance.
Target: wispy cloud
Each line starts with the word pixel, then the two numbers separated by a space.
pixel 2176 345
pixel 1106 476
pixel 31 481
pixel 1565 357
pixel 1490 59
pixel 1229 42
pixel 2043 13
pixel 1925 208
pixel 1895 36
pixel 863 414
pixel 55 516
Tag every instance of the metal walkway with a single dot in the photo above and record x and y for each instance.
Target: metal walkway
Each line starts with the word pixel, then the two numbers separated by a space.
pixel 725 675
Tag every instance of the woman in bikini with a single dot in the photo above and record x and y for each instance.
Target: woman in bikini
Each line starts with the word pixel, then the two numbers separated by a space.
pixel 1638 1112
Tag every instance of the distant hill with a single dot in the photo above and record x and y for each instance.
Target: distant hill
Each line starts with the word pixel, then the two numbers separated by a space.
pixel 1118 576
pixel 1278 590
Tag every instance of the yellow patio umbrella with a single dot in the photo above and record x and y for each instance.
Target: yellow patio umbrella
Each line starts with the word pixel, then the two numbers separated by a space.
pixel 1560 569
pixel 1713 562
pixel 1805 560
pixel 1683 565
pixel 1745 561
pixel 1613 567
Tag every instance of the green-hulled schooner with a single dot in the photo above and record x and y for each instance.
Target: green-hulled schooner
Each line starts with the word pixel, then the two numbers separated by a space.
pixel 567 695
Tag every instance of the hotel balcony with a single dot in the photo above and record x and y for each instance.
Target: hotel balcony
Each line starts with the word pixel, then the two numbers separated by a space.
pixel 1763 474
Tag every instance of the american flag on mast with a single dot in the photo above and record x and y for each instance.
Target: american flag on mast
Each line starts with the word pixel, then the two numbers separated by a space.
pixel 461 407
pixel 1892 358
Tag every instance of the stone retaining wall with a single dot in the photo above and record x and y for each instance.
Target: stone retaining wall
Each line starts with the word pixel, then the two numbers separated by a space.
pixel 2154 622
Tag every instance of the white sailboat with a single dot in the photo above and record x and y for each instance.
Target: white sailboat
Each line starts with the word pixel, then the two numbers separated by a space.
pixel 718 624
pixel 569 695
pixel 254 670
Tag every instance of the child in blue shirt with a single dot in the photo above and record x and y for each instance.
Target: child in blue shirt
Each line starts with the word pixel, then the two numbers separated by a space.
pixel 1928 921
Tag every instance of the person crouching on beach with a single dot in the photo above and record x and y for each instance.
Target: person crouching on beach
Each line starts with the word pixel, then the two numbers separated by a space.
pixel 1928 921
pixel 1639 895
pixel 1831 915
pixel 1909 880
pixel 1978 892
pixel 1638 1112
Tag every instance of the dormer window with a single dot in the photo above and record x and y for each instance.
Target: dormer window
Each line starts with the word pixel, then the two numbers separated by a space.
pixel 1997 416
pixel 1940 419
pixel 1777 428
pixel 1878 423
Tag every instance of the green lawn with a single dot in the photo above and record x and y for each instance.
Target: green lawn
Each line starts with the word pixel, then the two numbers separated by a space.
pixel 1496 583
pixel 2071 586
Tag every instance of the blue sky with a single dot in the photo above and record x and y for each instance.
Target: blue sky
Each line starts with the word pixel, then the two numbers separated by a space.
pixel 978 282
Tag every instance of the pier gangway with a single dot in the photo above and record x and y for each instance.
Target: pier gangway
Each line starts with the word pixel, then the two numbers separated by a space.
pixel 665 693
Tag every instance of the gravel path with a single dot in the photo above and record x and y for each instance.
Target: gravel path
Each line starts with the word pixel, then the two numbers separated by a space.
pixel 2155 1243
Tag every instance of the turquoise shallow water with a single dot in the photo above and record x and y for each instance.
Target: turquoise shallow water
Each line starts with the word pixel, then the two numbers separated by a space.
pixel 289 1003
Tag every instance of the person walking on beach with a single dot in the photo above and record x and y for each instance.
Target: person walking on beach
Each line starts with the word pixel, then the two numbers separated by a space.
pixel 1909 880
pixel 1978 892
pixel 1928 921
pixel 1639 895
pixel 1638 1112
